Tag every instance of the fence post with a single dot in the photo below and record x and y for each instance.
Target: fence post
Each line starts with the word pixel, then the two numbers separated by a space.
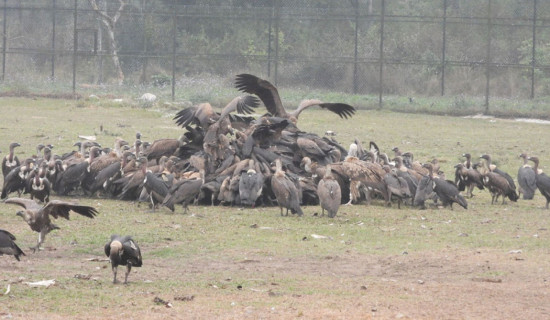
pixel 174 31
pixel 75 44
pixel 533 51
pixel 381 57
pixel 355 85
pixel 4 41
pixel 488 58
pixel 54 8
pixel 270 39
pixel 277 17
pixel 444 48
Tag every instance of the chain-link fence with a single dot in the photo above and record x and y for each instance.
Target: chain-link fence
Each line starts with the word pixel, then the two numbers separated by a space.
pixel 481 48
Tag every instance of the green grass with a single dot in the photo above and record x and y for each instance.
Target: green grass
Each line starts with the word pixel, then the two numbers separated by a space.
pixel 190 254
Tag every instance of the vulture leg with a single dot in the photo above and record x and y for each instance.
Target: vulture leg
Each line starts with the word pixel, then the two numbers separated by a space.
pixel 41 237
pixel 128 268
pixel 114 273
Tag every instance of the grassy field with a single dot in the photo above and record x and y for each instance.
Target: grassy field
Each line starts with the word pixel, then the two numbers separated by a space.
pixel 490 261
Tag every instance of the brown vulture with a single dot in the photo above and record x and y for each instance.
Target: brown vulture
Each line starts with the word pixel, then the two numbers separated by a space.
pixel 123 251
pixel 466 179
pixel 330 194
pixel 543 181
pixel 498 182
pixel 38 216
pixel 8 245
pixel 285 190
pixel 269 95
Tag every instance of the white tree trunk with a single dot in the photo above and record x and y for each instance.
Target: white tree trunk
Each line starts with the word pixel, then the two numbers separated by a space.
pixel 110 23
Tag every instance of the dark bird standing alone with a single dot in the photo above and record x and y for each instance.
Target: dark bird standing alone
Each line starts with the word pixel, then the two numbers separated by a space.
pixel 123 251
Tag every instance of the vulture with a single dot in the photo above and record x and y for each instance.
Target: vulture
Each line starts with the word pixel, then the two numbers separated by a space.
pixel 10 161
pixel 466 179
pixel 330 195
pixel 446 190
pixel 285 190
pixel 543 181
pixel 156 186
pixel 397 186
pixel 40 185
pixel 526 179
pixel 16 180
pixel 269 95
pixel 123 251
pixel 498 182
pixel 184 191
pixel 8 245
pixel 38 216
pixel 163 148
pixel 250 187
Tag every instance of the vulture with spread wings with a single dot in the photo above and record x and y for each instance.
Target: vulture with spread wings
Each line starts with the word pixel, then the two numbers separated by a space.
pixel 269 95
pixel 38 216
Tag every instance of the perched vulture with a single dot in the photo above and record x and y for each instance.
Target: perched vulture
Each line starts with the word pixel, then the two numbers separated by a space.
pixel 8 245
pixel 123 251
pixel 38 216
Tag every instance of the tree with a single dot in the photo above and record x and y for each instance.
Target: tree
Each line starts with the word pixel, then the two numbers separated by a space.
pixel 110 24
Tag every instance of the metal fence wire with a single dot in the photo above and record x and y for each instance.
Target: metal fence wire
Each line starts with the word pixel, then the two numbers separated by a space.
pixel 482 48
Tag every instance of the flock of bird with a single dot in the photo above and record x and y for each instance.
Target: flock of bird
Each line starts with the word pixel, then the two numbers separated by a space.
pixel 234 158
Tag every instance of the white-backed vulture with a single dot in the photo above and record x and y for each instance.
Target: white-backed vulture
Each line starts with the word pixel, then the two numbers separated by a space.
pixel 10 161
pixel 123 251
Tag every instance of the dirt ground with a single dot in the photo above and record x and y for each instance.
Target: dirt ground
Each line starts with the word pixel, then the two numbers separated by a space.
pixel 452 284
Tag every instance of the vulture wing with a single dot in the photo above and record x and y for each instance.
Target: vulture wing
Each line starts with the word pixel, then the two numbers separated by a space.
pixel 341 109
pixel 264 90
pixel 58 208
pixel 28 204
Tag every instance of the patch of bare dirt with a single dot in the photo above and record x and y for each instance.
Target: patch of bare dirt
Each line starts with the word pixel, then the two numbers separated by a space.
pixel 451 284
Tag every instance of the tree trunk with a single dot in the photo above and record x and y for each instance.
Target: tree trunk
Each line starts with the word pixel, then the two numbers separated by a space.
pixel 110 23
